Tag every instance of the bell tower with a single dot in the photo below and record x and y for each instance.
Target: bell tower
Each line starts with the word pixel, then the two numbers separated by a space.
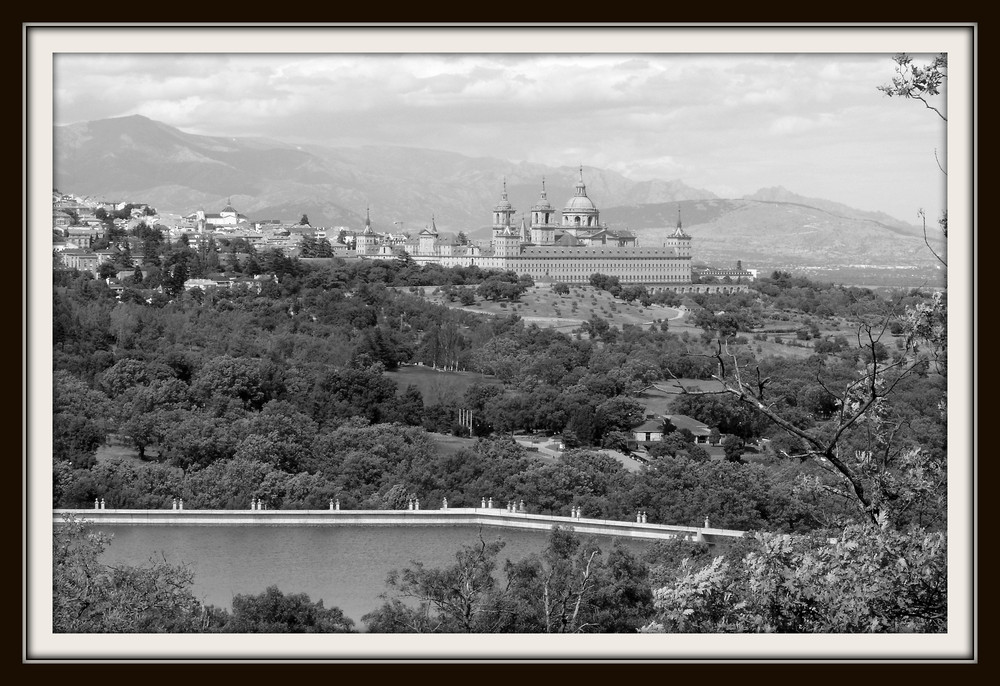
pixel 543 228
pixel 503 214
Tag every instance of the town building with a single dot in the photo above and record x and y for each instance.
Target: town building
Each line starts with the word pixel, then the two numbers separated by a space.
pixel 85 260
pixel 728 274
pixel 226 220
pixel 651 430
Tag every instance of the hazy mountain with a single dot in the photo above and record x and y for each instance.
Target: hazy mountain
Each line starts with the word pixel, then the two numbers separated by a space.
pixel 777 234
pixel 136 158
pixel 141 160
pixel 777 194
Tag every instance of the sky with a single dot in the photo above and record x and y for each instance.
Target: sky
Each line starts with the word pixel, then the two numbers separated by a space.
pixel 731 124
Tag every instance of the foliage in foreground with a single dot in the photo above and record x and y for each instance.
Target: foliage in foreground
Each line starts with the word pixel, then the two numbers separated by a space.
pixel 867 580
pixel 91 597
pixel 567 588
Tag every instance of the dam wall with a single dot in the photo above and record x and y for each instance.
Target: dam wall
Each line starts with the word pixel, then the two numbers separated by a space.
pixel 487 517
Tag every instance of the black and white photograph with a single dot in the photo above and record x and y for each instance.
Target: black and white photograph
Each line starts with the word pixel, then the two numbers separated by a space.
pixel 521 343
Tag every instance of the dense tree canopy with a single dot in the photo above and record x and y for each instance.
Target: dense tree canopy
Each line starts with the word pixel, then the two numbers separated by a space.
pixel 288 394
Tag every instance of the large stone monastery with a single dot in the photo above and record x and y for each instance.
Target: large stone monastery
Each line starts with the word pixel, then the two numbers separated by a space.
pixel 551 246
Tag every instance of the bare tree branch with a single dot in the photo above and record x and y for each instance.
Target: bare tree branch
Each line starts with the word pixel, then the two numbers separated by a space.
pixel 923 218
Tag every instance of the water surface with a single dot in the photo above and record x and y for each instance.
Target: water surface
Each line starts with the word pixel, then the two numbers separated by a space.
pixel 342 565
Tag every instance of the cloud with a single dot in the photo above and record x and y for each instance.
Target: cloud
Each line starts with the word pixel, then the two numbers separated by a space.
pixel 718 120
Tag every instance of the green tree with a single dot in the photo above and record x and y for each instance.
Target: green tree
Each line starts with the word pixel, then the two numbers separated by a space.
pixel 89 596
pixel 733 447
pixel 274 612
pixel 555 592
pixel 618 414
pixel 239 378
pixel 866 580
pixel 107 270
pixel 79 419
pixel 455 599
pixel 178 275
pixel 918 82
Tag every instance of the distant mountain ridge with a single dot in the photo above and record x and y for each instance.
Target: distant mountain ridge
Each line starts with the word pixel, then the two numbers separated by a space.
pixel 138 159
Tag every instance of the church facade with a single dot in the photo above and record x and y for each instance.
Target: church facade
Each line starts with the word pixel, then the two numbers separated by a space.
pixel 553 246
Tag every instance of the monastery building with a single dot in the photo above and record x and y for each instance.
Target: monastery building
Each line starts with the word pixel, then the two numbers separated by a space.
pixel 566 246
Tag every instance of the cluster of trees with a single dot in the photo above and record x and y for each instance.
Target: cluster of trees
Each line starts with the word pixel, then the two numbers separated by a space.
pixel 382 466
pixel 315 247
pixel 630 293
pixel 569 587
pixel 862 582
pixel 268 378
pixel 504 286
pixel 281 396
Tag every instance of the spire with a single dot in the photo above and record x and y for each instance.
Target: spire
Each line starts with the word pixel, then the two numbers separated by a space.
pixel 504 204
pixel 434 228
pixel 581 187
pixel 368 220
pixel 679 231
pixel 543 204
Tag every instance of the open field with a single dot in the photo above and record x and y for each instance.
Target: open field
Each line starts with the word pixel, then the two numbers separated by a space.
pixel 447 444
pixel 113 451
pixel 540 305
pixel 437 384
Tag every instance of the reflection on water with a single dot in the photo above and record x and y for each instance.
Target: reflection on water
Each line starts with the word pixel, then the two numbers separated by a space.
pixel 344 566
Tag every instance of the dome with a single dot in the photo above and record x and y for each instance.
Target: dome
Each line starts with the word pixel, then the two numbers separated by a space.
pixel 580 202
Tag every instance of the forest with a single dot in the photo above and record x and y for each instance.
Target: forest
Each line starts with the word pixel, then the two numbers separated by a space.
pixel 277 390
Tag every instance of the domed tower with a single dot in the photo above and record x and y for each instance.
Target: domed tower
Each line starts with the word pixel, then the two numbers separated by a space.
pixel 678 240
pixel 502 213
pixel 580 211
pixel 543 227
pixel 228 212
pixel 364 244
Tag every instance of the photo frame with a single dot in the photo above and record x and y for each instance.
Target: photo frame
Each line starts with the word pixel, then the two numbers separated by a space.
pixel 43 41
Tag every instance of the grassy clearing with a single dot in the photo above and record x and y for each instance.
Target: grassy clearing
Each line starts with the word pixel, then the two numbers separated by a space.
pixel 447 444
pixel 541 306
pixel 436 385
pixel 113 452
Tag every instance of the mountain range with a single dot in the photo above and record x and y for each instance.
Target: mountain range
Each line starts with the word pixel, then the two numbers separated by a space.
pixel 137 159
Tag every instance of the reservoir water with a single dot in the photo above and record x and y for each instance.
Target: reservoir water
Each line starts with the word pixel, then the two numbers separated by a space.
pixel 344 566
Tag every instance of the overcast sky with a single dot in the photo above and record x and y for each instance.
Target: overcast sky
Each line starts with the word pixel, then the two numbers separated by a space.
pixel 731 124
